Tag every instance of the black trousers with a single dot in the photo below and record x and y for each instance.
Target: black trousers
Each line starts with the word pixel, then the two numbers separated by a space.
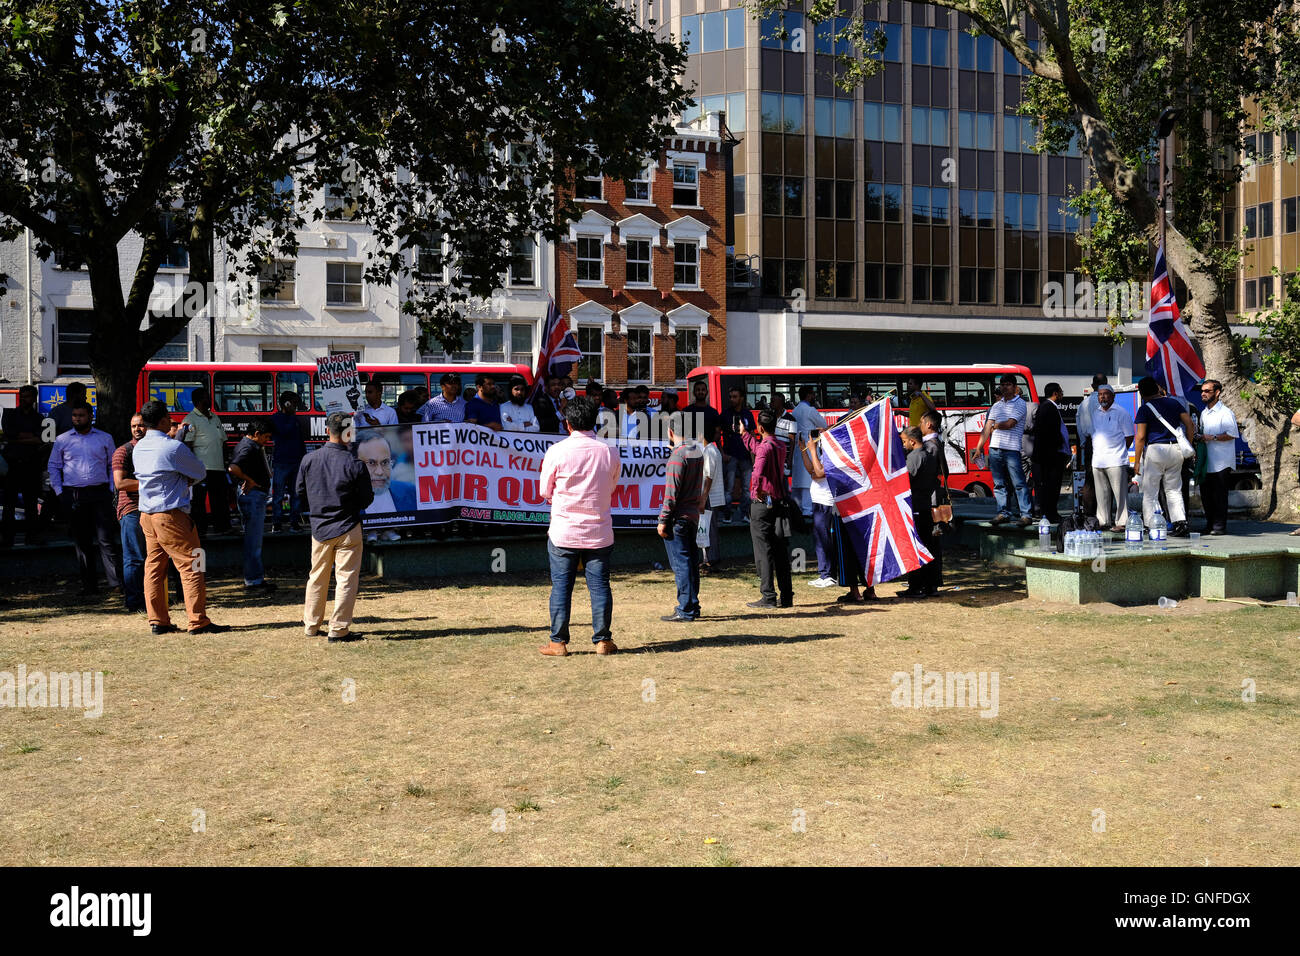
pixel 771 554
pixel 24 478
pixel 216 490
pixel 926 577
pixel 95 533
pixel 1214 496
pixel 1048 474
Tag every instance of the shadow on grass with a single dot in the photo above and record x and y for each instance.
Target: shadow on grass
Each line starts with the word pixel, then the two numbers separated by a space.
pixel 723 640
pixel 429 633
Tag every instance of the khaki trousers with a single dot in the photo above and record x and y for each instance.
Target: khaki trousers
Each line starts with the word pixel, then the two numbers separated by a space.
pixel 172 535
pixel 344 553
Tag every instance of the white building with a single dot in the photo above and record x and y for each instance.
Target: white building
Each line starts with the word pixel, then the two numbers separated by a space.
pixel 324 305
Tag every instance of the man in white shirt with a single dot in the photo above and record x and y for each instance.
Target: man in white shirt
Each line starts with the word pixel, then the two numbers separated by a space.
pixel 374 412
pixel 806 418
pixel 1219 433
pixel 1003 431
pixel 1112 434
pixel 517 415
pixel 715 494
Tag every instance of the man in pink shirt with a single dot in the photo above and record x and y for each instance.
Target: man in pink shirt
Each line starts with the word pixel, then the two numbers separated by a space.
pixel 579 475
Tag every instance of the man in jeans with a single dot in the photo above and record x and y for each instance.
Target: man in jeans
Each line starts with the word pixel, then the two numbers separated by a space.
pixel 578 478
pixel 286 456
pixel 680 516
pixel 203 432
pixel 1002 435
pixel 128 518
pixel 249 469
pixel 336 488
pixel 737 464
pixel 767 488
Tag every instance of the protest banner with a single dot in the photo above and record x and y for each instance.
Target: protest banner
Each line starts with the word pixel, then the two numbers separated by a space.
pixel 340 385
pixel 435 473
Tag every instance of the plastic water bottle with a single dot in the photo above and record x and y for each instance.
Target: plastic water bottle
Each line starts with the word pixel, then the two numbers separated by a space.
pixel 1133 533
pixel 1045 535
pixel 1159 528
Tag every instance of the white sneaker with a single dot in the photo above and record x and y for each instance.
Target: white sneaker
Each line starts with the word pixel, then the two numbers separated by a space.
pixel 822 582
pixel 389 536
pixel 372 537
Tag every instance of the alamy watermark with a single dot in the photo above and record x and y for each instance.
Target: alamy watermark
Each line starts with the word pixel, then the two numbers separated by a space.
pixel 1084 299
pixel 82 691
pixel 922 688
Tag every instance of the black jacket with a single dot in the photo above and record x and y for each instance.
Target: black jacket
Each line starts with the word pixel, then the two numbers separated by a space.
pixel 336 488
pixel 923 470
pixel 547 417
pixel 1047 432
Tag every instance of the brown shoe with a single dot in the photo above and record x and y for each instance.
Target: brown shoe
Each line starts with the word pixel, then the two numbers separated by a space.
pixel 555 649
pixel 606 646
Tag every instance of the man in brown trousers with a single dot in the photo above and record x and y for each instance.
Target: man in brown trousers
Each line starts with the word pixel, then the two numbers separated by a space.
pixel 166 469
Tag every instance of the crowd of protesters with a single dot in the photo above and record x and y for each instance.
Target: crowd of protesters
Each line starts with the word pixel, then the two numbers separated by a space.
pixel 143 510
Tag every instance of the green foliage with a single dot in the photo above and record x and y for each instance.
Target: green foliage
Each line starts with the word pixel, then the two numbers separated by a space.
pixel 402 110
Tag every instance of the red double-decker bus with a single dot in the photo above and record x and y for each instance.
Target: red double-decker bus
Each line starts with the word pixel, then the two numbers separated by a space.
pixel 962 393
pixel 242 393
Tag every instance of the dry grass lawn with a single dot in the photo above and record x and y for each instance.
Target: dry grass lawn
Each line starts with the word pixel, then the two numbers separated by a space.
pixel 465 746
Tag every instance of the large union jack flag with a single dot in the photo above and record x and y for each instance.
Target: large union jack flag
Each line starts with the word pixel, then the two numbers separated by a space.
pixel 559 349
pixel 867 474
pixel 1171 358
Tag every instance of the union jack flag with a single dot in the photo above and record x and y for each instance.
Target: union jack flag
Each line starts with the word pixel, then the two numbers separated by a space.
pixel 559 349
pixel 1171 358
pixel 867 474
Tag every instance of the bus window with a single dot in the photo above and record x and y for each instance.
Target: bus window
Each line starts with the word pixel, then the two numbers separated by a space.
pixel 758 389
pixel 873 388
pixel 837 392
pixel 394 384
pixel 1024 388
pixel 242 392
pixel 173 389
pixel 970 392
pixel 300 383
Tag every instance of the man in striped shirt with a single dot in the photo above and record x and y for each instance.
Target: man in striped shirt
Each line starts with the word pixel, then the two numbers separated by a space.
pixel 679 517
pixel 1003 432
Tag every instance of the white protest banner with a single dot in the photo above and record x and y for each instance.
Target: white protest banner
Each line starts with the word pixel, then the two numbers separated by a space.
pixel 439 472
pixel 339 383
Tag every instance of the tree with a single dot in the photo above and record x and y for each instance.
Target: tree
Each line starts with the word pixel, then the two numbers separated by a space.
pixel 1106 70
pixel 185 121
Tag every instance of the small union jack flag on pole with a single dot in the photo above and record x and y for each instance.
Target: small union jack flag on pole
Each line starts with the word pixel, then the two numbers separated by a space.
pixel 867 474
pixel 1171 358
pixel 559 351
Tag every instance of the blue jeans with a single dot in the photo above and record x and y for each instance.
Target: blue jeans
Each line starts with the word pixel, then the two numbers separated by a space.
pixel 823 516
pixel 133 551
pixel 1007 467
pixel 684 559
pixel 284 481
pixel 252 508
pixel 564 568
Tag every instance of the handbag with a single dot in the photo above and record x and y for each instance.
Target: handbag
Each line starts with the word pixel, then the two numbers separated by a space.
pixel 702 530
pixel 1184 445
pixel 942 512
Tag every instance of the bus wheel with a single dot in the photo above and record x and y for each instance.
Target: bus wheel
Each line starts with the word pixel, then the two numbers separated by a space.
pixel 978 491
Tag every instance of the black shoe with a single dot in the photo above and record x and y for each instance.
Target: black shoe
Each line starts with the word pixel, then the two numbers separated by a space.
pixel 769 605
pixel 296 527
pixel 345 638
pixel 162 628
pixel 788 602
pixel 1000 519
pixel 1179 530
pixel 211 628
pixel 264 586
pixel 1219 531
pixel 677 618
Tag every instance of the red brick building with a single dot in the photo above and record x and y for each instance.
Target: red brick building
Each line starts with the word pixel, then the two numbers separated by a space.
pixel 641 276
